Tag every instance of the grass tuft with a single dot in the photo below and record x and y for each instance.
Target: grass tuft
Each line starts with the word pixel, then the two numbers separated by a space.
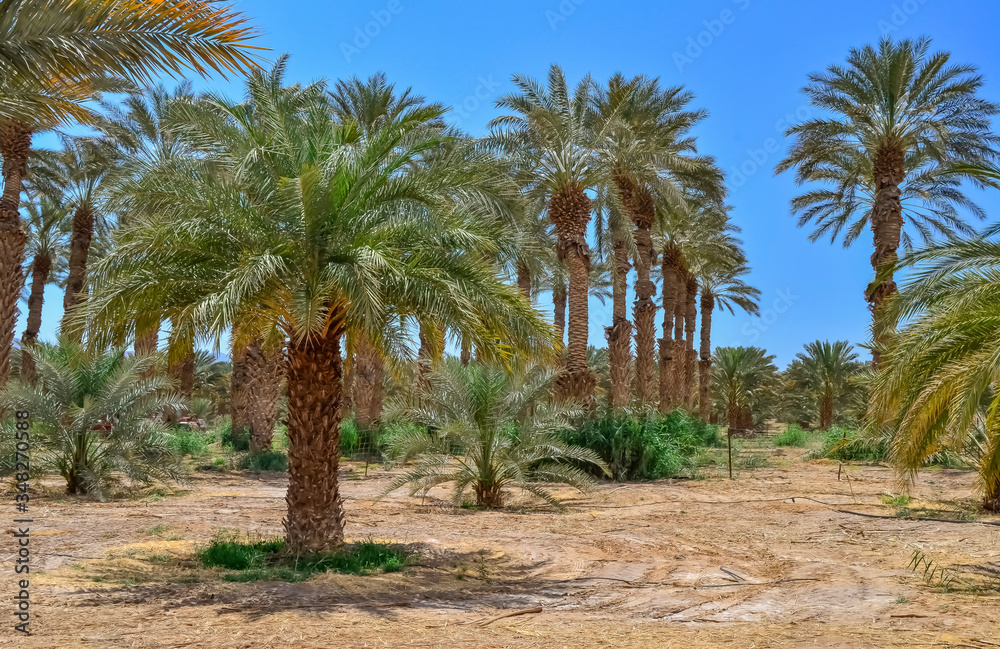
pixel 793 436
pixel 255 558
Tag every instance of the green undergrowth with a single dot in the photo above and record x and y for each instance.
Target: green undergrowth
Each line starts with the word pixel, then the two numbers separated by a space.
pixel 646 446
pixel 254 558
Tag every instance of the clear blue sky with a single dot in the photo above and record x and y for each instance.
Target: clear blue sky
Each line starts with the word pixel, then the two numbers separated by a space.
pixel 752 59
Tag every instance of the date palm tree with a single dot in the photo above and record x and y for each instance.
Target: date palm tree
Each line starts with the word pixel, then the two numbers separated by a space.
pixel 723 285
pixel 942 342
pixel 548 129
pixel 77 172
pixel 644 135
pixel 305 225
pixel 902 118
pixel 742 379
pixel 47 229
pixel 53 58
pixel 826 370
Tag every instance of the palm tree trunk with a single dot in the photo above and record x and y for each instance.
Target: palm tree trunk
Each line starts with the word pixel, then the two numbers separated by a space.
pixel 644 311
pixel 524 280
pixel 570 213
pixel 670 285
pixel 466 351
pixel 15 144
pixel 559 302
pixel 41 266
pixel 315 519
pixel 679 354
pixel 705 366
pixel 690 324
pixel 826 411
pixel 619 334
pixel 889 169
pixel 256 386
pixel 369 379
pixel 146 341
pixel 83 233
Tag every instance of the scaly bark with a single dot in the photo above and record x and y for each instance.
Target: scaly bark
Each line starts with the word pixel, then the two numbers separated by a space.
pixel 889 168
pixel 146 341
pixel 644 311
pixel 83 234
pixel 41 267
pixel 669 266
pixel 826 411
pixel 15 144
pixel 369 380
pixel 619 334
pixel 524 280
pixel 315 518
pixel 679 355
pixel 690 324
pixel 570 214
pixel 705 364
pixel 559 304
pixel 256 387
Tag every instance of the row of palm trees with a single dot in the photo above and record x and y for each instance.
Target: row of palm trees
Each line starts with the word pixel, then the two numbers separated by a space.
pixel 319 225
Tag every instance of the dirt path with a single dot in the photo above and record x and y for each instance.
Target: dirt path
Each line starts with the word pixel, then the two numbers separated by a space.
pixel 664 564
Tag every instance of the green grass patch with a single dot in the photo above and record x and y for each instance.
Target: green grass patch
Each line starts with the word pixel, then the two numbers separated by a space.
pixel 185 441
pixel 896 501
pixel 793 436
pixel 267 461
pixel 252 558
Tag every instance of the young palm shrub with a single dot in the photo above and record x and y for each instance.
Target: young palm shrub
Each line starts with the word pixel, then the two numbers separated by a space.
pixel 942 364
pixel 95 417
pixel 489 431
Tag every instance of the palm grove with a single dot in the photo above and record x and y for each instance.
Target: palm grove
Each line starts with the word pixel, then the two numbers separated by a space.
pixel 341 234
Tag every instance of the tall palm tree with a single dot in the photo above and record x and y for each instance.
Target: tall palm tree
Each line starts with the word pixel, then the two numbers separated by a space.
pixel 942 342
pixel 77 172
pixel 53 58
pixel 613 240
pixel 47 229
pixel 548 129
pixel 826 369
pixel 330 230
pixel 902 119
pixel 742 378
pixel 643 131
pixel 723 285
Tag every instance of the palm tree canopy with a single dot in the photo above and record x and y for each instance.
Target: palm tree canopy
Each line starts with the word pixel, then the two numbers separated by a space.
pixel 943 360
pixel 899 97
pixel 288 213
pixel 52 51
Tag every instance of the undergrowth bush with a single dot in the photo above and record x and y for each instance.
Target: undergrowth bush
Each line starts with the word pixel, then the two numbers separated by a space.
pixel 256 558
pixel 646 446
pixel 793 436
pixel 846 445
pixel 266 461
pixel 185 441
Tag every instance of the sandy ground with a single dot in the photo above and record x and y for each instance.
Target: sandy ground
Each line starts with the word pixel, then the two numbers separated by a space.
pixel 667 564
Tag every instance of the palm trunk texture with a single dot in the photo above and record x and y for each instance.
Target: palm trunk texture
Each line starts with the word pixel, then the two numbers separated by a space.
pixel 15 143
pixel 315 518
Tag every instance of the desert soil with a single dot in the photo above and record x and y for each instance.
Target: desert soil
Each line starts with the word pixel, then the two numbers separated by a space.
pixel 690 563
